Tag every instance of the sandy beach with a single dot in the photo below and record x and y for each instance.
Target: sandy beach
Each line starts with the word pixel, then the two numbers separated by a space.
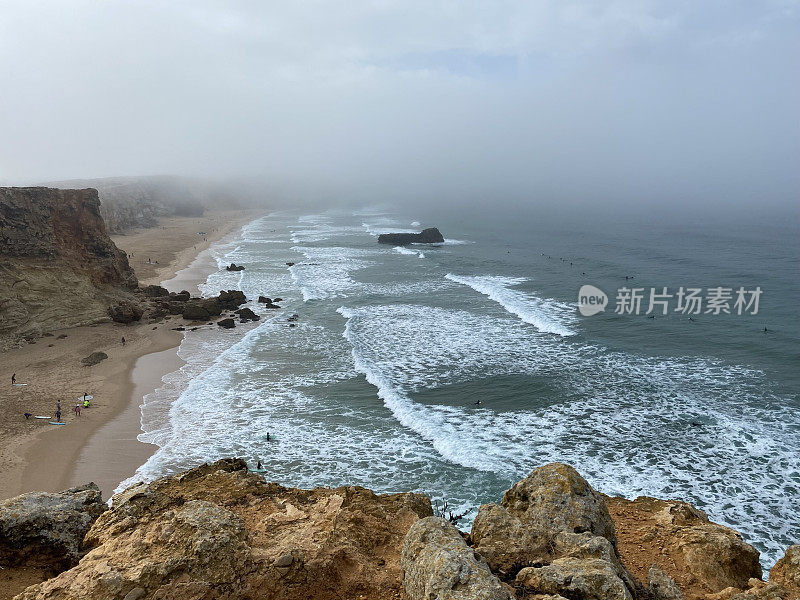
pixel 100 445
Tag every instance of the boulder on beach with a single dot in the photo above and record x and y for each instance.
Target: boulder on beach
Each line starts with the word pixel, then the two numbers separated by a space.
pixel 155 291
pixel 94 358
pixel 194 311
pixel 245 314
pixel 227 323
pixel 427 236
pixel 264 300
pixel 125 312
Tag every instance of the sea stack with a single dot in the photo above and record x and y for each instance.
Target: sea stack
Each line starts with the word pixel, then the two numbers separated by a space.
pixel 427 236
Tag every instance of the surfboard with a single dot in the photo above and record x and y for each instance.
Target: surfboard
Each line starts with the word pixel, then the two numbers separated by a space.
pixel 258 470
pixel 19 384
pixel 41 417
pixel 81 398
pixel 272 438
pixel 54 423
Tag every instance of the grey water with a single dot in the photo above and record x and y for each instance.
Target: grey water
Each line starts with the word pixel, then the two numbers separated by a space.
pixel 455 369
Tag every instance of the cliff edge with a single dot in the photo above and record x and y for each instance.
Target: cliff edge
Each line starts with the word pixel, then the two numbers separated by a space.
pixel 58 267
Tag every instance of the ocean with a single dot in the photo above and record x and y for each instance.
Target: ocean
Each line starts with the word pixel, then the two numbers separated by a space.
pixel 455 369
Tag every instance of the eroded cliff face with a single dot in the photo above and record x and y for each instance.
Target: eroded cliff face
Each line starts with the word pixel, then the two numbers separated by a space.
pixel 58 267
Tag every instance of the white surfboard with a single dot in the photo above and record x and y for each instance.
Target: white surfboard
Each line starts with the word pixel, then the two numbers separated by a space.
pixel 41 417
pixel 19 384
pixel 81 398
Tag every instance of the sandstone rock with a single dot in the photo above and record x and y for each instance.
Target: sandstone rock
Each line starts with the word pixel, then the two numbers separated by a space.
pixel 588 579
pixel 94 358
pixel 437 563
pixel 786 571
pixel 125 312
pixel 701 557
pixel 426 236
pixel 552 500
pixel 45 529
pixel 661 585
pixel 227 323
pixel 54 240
pixel 220 532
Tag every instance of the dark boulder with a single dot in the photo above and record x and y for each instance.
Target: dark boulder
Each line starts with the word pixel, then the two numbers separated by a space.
pixel 155 291
pixel 264 300
pixel 289 264
pixel 247 315
pixel 426 236
pixel 277 299
pixel 182 296
pixel 94 358
pixel 194 311
pixel 125 312
pixel 212 306
pixel 227 323
pixel 234 267
pixel 231 300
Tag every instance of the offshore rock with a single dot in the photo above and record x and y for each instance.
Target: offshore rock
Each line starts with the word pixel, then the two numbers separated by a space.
pixel 426 236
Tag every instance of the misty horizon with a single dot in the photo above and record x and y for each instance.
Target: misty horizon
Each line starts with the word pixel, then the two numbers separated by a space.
pixel 570 103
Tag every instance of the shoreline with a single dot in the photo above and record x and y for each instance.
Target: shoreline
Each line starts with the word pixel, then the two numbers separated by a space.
pixel 101 445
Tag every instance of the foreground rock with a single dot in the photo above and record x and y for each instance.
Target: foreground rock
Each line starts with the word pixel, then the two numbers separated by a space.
pixel 426 236
pixel 700 556
pixel 219 531
pixel 786 571
pixel 234 267
pixel 437 563
pixel 47 530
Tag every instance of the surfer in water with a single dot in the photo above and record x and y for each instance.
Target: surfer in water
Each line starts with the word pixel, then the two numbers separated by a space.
pixel 259 467
pixel 267 440
pixel 478 402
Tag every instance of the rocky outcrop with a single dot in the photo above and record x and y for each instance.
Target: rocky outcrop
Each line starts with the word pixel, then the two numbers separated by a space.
pixel 426 236
pixel 246 314
pixel 786 572
pixel 226 323
pixel 701 557
pixel 54 241
pixel 218 531
pixel 437 563
pixel 125 311
pixel 47 530
pixel 234 267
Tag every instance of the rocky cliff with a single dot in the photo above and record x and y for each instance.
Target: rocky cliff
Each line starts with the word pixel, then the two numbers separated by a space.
pixel 58 267
pixel 221 532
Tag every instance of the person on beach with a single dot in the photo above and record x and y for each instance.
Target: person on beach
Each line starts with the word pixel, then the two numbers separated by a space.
pixel 13 379
pixel 86 403
pixel 58 415
pixel 78 410
pixel 123 341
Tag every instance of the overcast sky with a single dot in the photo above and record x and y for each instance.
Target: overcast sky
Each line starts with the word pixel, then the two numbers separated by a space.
pixel 582 101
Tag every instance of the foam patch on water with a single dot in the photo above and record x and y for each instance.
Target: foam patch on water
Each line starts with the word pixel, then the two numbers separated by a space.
pixel 549 316
pixel 409 252
pixel 326 272
pixel 628 423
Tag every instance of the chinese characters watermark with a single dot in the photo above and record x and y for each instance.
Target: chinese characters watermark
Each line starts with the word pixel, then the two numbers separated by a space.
pixel 687 301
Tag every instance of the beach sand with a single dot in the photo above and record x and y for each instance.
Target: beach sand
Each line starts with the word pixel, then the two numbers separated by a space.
pixel 100 445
